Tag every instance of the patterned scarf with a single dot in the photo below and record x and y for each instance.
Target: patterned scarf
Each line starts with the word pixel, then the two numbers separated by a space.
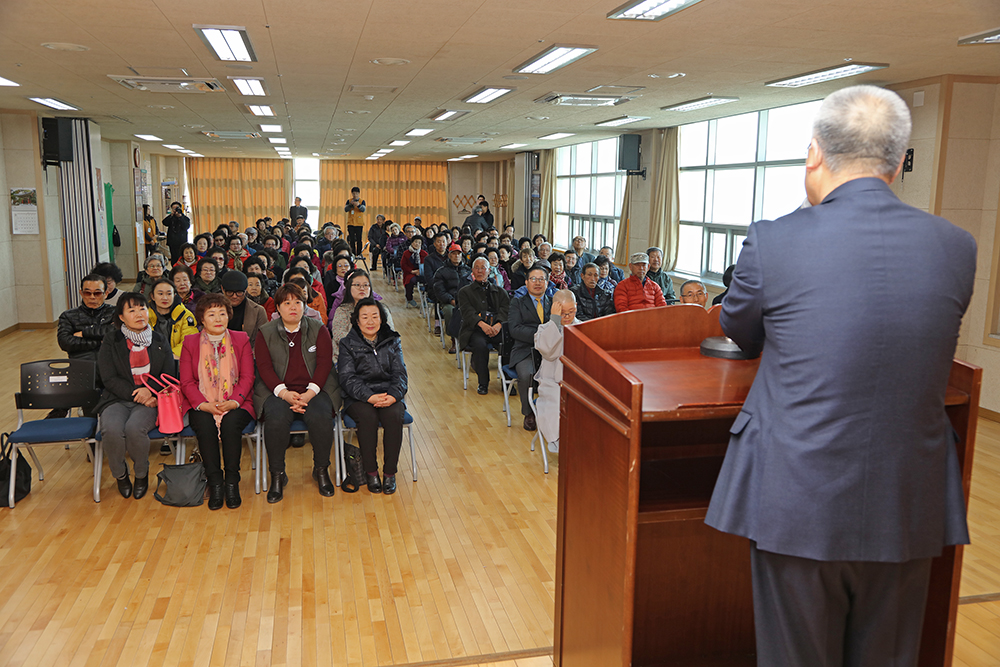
pixel 218 370
pixel 138 352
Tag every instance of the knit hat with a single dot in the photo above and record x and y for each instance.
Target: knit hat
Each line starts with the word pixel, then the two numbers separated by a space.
pixel 234 281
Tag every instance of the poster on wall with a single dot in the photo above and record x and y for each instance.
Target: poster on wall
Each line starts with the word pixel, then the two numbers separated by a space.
pixel 24 210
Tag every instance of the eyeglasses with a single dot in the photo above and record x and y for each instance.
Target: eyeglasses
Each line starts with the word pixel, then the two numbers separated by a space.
pixel 691 294
pixel 88 292
pixel 362 285
pixel 538 280
pixel 240 293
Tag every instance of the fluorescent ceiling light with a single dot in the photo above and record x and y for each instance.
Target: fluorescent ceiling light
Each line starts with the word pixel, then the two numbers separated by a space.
pixel 258 110
pixel 186 152
pixel 249 87
pixel 270 128
pixel 384 151
pixel 196 155
pixel 398 142
pixel 418 133
pixel 557 135
pixel 553 58
pixel 988 37
pixel 468 157
pixel 53 103
pixel 487 95
pixel 650 10
pixel 173 147
pixel 828 74
pixel 510 146
pixel 449 114
pixel 454 159
pixel 700 103
pixel 229 42
pixel 7 82
pixel 621 120
pixel 278 140
pixel 582 100
pixel 373 157
pixel 148 137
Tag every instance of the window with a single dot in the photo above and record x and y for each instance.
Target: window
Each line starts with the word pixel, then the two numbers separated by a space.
pixel 736 170
pixel 589 191
pixel 305 172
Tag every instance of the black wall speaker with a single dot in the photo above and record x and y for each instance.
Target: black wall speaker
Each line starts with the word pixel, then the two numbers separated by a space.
pixel 57 140
pixel 629 151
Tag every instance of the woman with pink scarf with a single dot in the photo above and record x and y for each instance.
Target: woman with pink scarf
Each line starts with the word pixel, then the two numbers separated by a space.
pixel 217 376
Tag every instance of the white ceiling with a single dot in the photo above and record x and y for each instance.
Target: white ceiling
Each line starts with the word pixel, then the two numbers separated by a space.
pixel 311 52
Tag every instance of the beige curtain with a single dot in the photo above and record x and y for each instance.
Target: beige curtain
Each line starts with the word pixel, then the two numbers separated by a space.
pixel 547 215
pixel 240 189
pixel 664 216
pixel 624 224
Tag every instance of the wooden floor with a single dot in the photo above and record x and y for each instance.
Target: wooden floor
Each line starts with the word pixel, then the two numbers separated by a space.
pixel 455 569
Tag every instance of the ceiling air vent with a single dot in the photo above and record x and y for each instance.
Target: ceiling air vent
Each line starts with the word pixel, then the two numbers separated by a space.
pixel 462 140
pixel 582 100
pixel 161 84
pixel 231 134
pixel 373 90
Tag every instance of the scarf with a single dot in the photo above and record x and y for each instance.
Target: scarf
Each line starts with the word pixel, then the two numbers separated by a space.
pixel 559 280
pixel 260 299
pixel 138 343
pixel 237 258
pixel 218 370
pixel 214 286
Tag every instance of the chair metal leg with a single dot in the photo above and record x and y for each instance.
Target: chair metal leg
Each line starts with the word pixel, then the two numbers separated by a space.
pixel 41 473
pixel 181 450
pixel 543 442
pixel 13 476
pixel 338 451
pixel 465 372
pixel 413 451
pixel 255 438
pixel 98 469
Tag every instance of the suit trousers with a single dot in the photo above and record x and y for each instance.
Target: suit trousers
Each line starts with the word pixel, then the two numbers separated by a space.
pixel 368 418
pixel 525 376
pixel 354 238
pixel 229 435
pixel 125 428
pixel 278 418
pixel 811 613
pixel 479 346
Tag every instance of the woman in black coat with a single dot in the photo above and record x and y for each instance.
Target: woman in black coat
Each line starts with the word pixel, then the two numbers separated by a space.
pixel 130 351
pixel 373 382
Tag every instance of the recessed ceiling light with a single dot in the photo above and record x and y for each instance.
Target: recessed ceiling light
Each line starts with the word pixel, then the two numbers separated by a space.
pixel 988 37
pixel 621 120
pixel 159 106
pixel 557 135
pixel 467 157
pixel 315 154
pixel 536 117
pixel 512 146
pixel 828 74
pixel 53 103
pixel 258 110
pixel 278 140
pixel 390 62
pixel 650 10
pixel 249 87
pixel 7 82
pixel 148 137
pixel 65 46
pixel 581 100
pixel 173 147
pixel 676 75
pixel 385 150
pixel 229 42
pixel 700 103
pixel 399 142
pixel 487 95
pixel 553 58
pixel 448 114
pixel 196 155
pixel 189 152
pixel 418 133
pixel 194 127
pixel 270 128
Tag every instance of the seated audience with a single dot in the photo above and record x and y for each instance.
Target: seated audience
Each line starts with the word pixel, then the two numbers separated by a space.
pixel 437 256
pixel 206 279
pixel 152 272
pixel 484 307
pixel 131 352
pixel 316 306
pixel 202 243
pixel 257 294
pixel 373 381
pixel 217 377
pixel 299 349
pixel 727 278
pixel 237 253
pixel 580 246
pixel 189 256
pixel 221 257
pixel 411 264
pixel 168 316
pixel 81 330
pixel 519 274
pixel 572 266
pixel 112 277
pixel 549 345
pixel 537 240
pixel 592 300
pixel 498 273
pixel 659 276
pixel 604 270
pixel 247 315
pixel 527 313
pixel 544 250
pixel 450 278
pixel 183 280
pixel 616 274
pixel 333 281
pixel 693 291
pixel 638 291
pixel 359 287
pixel 558 277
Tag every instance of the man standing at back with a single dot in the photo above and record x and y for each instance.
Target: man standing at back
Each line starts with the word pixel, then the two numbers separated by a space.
pixel 298 211
pixel 841 469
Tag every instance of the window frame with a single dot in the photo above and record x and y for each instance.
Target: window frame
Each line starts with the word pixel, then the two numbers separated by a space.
pixel 587 224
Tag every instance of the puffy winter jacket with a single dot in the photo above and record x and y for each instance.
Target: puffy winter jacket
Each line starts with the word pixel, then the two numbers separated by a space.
pixel 366 369
pixel 448 280
pixel 588 307
pixel 94 324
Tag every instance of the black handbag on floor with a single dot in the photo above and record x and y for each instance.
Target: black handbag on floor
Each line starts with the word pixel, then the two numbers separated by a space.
pixel 22 481
pixel 186 484
pixel 355 478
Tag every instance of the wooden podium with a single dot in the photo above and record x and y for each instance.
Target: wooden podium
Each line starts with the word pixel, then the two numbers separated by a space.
pixel 640 579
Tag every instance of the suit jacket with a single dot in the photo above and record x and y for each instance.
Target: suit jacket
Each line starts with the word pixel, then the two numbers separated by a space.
pixel 191 358
pixel 523 322
pixel 843 451
pixel 254 317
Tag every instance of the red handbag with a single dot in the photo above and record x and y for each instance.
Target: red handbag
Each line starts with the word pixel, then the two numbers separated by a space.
pixel 168 404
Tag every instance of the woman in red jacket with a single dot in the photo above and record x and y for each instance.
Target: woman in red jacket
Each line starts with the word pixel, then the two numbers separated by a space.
pixel 217 376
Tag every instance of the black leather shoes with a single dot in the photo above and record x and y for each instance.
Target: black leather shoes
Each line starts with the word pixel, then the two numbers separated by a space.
pixel 140 487
pixel 389 485
pixel 277 489
pixel 482 390
pixel 322 477
pixel 529 423
pixel 374 484
pixel 233 499
pixel 215 496
pixel 124 486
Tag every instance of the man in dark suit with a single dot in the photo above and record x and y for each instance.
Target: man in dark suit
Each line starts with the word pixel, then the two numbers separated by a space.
pixel 298 211
pixel 527 313
pixel 841 469
pixel 484 308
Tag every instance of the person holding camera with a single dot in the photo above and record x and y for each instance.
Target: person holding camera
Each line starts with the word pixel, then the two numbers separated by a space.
pixel 177 225
pixel 484 308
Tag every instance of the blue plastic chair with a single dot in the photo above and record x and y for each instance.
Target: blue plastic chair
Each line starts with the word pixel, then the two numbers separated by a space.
pixel 347 424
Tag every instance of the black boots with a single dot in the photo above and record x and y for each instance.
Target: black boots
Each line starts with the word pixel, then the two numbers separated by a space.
pixel 322 477
pixel 277 489
pixel 215 496
pixel 232 492
pixel 140 487
pixel 124 485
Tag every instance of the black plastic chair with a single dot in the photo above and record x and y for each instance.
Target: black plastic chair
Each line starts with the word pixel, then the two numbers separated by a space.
pixel 56 384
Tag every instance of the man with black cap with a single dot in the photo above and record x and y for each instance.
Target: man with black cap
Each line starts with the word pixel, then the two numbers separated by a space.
pixel 248 316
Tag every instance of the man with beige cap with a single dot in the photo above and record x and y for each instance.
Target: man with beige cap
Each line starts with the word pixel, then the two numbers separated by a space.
pixel 637 291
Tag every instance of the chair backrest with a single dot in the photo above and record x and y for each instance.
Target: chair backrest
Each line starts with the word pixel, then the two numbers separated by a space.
pixel 57 383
